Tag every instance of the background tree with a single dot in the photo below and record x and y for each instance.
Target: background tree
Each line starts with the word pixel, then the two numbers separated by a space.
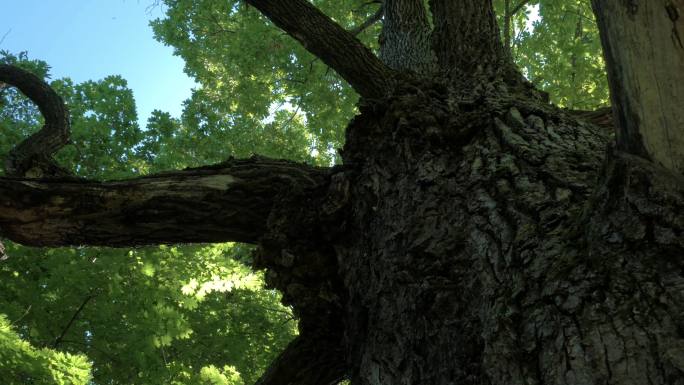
pixel 474 234
pixel 165 315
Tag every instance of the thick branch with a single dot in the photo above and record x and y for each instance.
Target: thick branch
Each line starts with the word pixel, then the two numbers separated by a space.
pixel 324 38
pixel 307 361
pixel 466 37
pixel 405 37
pixel 227 202
pixel 34 154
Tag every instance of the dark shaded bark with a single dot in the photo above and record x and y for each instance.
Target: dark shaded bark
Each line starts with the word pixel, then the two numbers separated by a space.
pixel 225 202
pixel 494 261
pixel 335 46
pixel 307 361
pixel 466 38
pixel 643 44
pixel 405 37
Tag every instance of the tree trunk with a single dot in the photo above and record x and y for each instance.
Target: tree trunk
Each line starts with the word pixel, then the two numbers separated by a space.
pixel 643 43
pixel 474 235
pixel 492 259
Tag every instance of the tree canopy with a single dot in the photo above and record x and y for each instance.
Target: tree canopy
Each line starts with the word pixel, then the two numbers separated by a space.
pixel 197 314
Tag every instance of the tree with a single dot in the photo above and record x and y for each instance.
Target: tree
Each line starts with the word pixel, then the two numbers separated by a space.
pixel 473 233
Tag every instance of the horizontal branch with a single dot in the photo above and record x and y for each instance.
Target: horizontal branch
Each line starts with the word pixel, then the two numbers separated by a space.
pixel 226 202
pixel 326 39
pixel 601 117
pixel 35 152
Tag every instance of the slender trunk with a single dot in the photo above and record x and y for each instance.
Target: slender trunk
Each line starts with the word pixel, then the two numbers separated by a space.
pixel 507 25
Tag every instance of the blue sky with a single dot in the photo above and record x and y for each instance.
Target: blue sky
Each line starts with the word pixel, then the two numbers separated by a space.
pixel 90 39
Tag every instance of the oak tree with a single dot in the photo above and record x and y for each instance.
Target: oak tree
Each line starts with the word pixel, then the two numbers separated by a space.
pixel 473 232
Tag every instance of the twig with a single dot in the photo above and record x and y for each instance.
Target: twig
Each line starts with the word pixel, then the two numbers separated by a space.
pixel 5 35
pixel 374 18
pixel 59 339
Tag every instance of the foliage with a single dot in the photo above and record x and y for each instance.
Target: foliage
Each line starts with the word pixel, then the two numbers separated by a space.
pixel 261 91
pixel 21 363
pixel 158 315
pixel 561 52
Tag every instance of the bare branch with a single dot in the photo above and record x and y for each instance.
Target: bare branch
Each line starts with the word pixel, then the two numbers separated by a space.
pixel 33 156
pixel 330 42
pixel 2 39
pixel 226 202
pixel 73 319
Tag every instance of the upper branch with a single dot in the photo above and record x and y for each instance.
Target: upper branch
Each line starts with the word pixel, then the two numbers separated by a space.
pixel 405 37
pixel 466 37
pixel 227 202
pixel 34 154
pixel 330 42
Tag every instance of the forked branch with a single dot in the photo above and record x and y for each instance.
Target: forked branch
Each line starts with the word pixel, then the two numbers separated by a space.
pixel 335 46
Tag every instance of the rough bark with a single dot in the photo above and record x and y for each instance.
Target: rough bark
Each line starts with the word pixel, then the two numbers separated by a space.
pixel 225 202
pixel 466 38
pixel 405 37
pixel 491 258
pixel 475 235
pixel 643 44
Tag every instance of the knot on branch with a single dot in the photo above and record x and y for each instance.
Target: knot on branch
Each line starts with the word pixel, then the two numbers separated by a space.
pixel 33 157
